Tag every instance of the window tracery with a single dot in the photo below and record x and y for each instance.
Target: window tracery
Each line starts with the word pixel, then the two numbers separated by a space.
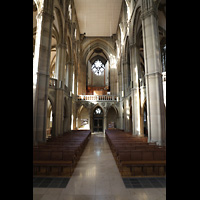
pixel 98 67
pixel 98 111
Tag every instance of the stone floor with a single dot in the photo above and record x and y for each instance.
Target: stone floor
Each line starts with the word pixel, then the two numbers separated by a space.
pixel 96 177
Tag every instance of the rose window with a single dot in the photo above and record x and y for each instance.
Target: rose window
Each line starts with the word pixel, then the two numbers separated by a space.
pixel 98 67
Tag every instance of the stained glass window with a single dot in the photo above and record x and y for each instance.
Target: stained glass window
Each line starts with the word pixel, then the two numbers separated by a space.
pixel 98 67
pixel 98 111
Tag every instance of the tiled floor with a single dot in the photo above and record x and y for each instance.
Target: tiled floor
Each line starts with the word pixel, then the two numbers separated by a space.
pixel 50 182
pixel 96 177
pixel 145 182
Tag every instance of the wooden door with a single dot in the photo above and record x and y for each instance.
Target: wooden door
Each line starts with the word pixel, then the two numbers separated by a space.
pixel 98 124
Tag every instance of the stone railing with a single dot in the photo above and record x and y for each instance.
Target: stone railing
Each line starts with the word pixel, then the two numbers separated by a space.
pixel 52 82
pixel 98 98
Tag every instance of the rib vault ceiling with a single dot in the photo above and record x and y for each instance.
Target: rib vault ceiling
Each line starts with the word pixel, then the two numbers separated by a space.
pixel 98 17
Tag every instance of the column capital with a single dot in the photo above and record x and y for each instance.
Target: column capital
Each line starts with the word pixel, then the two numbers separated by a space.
pixel 70 63
pixel 125 62
pixel 153 73
pixel 134 88
pixel 150 7
pixel 43 74
pixel 45 14
pixel 148 13
pixel 62 45
pixel 132 45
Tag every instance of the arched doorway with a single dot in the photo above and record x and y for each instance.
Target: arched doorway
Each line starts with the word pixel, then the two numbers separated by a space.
pixel 83 118
pixel 98 120
pixel 112 118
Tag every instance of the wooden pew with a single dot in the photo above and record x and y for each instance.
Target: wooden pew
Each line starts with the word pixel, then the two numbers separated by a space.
pixel 135 155
pixel 49 159
pixel 143 159
pixel 60 152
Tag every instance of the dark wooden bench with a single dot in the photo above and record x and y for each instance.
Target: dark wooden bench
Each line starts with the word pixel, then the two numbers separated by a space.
pixel 60 152
pixel 130 147
pixel 133 152
pixel 49 159
pixel 143 159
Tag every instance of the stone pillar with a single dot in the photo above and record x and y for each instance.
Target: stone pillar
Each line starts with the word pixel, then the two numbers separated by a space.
pixel 70 76
pixel 105 121
pixel 73 122
pixel 153 73
pixel 41 65
pixel 121 123
pixel 125 76
pixel 135 94
pixel 59 115
pixel 120 85
pixel 70 80
pixel 120 116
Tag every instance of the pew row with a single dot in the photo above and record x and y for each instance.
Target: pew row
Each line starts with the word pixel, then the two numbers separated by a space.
pixel 60 155
pixel 134 156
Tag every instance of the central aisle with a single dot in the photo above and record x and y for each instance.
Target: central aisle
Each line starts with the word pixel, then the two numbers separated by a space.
pixel 96 177
pixel 96 172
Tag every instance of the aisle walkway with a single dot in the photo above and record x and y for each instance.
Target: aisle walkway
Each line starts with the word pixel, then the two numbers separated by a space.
pixel 96 177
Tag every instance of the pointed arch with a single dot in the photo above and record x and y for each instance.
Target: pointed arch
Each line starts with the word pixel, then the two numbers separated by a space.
pixel 59 20
pixel 137 23
pixel 83 117
pixel 127 61
pixel 143 117
pixel 50 117
pixel 112 117
pixel 97 118
pixel 95 44
pixel 96 106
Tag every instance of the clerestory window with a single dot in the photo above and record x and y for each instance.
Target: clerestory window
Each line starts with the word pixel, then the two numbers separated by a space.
pixel 98 67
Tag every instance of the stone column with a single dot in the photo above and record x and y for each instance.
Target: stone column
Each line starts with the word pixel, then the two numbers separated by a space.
pixel 41 64
pixel 121 123
pixel 73 122
pixel 135 94
pixel 120 85
pixel 120 116
pixel 59 115
pixel 125 77
pixel 153 73
pixel 105 120
pixel 70 67
pixel 122 78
